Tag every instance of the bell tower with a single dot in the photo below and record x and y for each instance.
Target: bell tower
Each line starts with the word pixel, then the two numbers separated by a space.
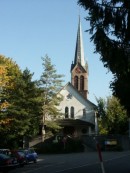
pixel 79 69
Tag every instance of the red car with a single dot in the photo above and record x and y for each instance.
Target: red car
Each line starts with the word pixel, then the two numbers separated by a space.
pixel 20 156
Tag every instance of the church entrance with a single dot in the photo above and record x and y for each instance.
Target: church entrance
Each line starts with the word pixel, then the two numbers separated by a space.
pixel 68 130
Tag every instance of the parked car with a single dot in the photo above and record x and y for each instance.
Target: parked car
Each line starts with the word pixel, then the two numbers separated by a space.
pixel 20 155
pixel 5 151
pixel 7 163
pixel 30 155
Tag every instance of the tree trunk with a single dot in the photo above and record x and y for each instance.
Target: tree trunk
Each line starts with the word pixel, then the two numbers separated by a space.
pixel 43 129
pixel 43 133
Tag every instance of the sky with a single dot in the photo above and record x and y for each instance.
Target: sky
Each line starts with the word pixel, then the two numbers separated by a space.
pixel 31 29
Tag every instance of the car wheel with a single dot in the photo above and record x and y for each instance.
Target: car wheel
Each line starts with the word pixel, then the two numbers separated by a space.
pixel 35 161
pixel 27 161
pixel 22 165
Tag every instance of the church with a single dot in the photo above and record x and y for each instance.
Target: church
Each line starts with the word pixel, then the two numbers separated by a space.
pixel 79 114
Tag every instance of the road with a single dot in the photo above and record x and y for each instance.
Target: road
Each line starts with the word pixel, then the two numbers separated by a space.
pixel 87 162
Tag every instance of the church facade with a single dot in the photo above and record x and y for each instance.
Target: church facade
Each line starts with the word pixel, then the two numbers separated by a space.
pixel 78 113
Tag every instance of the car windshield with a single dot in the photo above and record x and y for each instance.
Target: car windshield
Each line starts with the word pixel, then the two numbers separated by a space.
pixel 21 153
pixel 31 150
pixel 25 151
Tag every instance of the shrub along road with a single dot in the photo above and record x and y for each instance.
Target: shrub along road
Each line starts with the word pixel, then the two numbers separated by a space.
pixel 79 163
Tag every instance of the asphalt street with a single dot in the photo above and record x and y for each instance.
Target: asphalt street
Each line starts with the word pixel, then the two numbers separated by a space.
pixel 87 162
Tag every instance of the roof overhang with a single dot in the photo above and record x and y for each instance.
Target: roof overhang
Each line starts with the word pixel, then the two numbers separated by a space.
pixel 74 122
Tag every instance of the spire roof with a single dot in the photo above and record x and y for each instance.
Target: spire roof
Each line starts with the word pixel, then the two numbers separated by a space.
pixel 79 51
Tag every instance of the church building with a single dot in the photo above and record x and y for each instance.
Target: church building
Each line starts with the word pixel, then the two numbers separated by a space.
pixel 79 114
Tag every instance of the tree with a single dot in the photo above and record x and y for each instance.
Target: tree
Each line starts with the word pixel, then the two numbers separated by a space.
pixel 9 71
pixel 50 83
pixel 26 107
pixel 101 109
pixel 3 82
pixel 32 102
pixel 21 116
pixel 109 27
pixel 114 120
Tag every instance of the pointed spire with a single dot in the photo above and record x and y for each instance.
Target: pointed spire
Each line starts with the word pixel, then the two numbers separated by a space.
pixel 79 51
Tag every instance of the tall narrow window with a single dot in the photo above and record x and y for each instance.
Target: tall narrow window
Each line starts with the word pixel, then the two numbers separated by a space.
pixel 66 112
pixel 84 113
pixel 81 82
pixel 72 112
pixel 76 82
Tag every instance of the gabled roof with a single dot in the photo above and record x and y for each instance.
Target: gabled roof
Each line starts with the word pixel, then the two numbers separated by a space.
pixel 89 102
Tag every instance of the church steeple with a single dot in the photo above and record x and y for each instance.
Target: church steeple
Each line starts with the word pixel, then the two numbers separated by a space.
pixel 79 51
pixel 79 69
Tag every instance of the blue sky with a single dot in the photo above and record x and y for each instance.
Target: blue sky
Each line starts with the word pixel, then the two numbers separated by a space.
pixel 30 29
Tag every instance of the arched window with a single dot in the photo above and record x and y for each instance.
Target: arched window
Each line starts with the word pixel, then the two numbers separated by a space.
pixel 66 112
pixel 81 82
pixel 76 82
pixel 72 112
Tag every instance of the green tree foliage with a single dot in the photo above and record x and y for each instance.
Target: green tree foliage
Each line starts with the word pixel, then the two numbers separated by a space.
pixel 50 84
pixel 26 105
pixel 110 30
pixel 4 79
pixel 114 119
pixel 9 71
pixel 101 109
pixel 20 117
